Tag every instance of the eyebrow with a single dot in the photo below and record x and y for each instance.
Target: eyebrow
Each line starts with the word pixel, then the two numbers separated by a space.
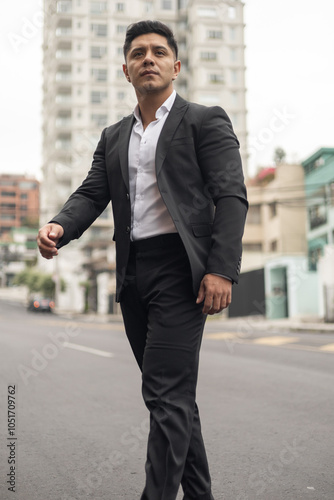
pixel 142 47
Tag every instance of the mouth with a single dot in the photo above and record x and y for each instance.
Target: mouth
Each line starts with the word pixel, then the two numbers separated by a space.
pixel 146 73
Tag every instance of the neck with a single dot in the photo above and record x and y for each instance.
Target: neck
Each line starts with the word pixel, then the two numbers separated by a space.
pixel 149 104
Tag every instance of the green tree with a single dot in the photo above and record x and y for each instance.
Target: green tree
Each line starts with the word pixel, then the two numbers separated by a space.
pixel 279 156
pixel 38 282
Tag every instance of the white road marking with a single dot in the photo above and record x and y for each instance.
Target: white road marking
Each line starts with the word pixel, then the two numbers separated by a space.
pixel 327 348
pixel 221 336
pixel 275 340
pixel 90 350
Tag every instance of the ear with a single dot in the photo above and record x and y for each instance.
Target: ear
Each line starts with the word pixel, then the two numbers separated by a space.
pixel 126 73
pixel 177 69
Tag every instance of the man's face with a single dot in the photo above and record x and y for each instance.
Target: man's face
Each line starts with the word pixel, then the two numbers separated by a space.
pixel 150 64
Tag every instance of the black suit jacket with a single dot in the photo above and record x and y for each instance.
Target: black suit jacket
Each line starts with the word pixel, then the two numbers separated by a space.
pixel 199 175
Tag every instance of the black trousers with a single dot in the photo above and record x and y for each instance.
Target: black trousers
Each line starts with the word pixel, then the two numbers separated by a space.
pixel 164 326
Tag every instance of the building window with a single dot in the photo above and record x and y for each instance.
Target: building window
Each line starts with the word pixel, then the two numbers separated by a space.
pixel 166 4
pixel 208 56
pixel 233 32
pixel 100 74
pixel 252 247
pixel 331 193
pixel 8 217
pixel 148 7
pixel 273 246
pixel 24 196
pixel 28 185
pixel 120 7
pixel 234 76
pixel 272 209
pixel 314 256
pixel 121 96
pixel 98 52
pixel 8 206
pixel 64 6
pixel 206 12
pixel 119 51
pixel 8 193
pixel 98 96
pixel 121 29
pixel 99 29
pixel 63 143
pixel 232 13
pixel 254 214
pixel 215 34
pixel 23 208
pixel 317 216
pixel 216 78
pixel 233 54
pixel 100 120
pixel 182 4
pixel 119 74
pixel 98 7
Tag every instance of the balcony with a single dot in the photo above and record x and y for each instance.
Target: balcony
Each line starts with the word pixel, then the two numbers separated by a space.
pixel 63 31
pixel 64 6
pixel 63 54
pixel 63 122
pixel 63 76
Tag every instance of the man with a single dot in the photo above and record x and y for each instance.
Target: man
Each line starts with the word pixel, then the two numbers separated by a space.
pixel 173 173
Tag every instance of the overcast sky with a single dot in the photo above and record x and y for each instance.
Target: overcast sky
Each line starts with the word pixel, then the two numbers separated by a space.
pixel 290 81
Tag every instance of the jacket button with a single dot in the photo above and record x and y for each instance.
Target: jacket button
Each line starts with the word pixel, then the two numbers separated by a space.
pixel 127 196
pixel 127 229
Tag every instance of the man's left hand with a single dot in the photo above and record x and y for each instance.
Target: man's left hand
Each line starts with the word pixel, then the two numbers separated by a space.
pixel 216 293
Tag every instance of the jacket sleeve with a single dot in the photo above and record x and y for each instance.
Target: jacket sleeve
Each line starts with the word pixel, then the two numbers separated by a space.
pixel 88 201
pixel 220 162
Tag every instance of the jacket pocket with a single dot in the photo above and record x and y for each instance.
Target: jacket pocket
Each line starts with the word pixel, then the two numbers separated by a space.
pixel 201 230
pixel 182 141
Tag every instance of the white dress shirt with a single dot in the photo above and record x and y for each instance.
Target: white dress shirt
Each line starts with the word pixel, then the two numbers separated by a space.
pixel 149 214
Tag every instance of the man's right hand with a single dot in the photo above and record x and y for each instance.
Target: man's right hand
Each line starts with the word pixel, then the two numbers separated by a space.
pixel 47 239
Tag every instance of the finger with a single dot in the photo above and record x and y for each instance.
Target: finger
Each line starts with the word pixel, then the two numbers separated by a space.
pixel 215 304
pixel 200 296
pixel 208 303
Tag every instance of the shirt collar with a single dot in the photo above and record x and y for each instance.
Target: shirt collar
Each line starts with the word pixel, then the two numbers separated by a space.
pixel 164 108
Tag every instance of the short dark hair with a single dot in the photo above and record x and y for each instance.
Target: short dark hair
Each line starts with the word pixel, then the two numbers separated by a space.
pixel 146 27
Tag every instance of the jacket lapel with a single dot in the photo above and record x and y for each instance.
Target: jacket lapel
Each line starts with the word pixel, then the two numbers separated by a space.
pixel 175 116
pixel 124 138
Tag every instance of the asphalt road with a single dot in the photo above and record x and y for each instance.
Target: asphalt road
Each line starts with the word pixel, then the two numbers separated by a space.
pixel 80 426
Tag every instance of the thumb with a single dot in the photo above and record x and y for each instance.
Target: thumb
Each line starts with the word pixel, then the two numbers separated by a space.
pixel 56 232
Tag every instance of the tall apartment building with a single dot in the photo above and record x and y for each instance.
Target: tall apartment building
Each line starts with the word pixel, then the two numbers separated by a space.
pixel 85 89
pixel 19 202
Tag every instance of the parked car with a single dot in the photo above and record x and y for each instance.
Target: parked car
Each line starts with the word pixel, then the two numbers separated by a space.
pixel 38 303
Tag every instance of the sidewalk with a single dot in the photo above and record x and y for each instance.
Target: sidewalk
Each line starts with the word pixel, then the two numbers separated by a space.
pixel 259 323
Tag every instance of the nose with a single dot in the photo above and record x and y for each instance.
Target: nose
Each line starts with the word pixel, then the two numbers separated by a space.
pixel 148 58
